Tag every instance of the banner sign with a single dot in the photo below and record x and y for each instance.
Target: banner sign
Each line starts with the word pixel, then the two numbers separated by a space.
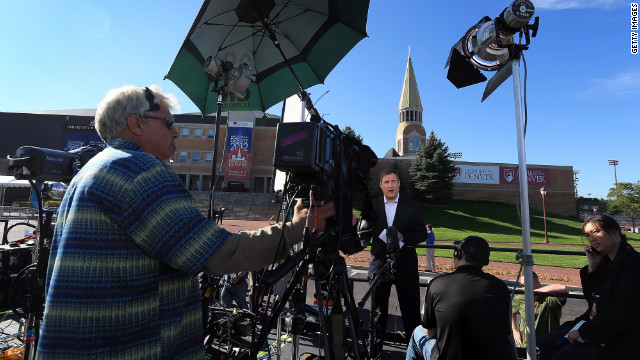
pixel 477 174
pixel 470 174
pixel 535 176
pixel 78 139
pixel 238 155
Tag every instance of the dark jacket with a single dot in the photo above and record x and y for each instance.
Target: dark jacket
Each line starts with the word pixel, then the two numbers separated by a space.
pixel 409 222
pixel 470 311
pixel 615 288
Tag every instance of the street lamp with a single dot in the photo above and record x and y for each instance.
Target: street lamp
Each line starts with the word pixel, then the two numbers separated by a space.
pixel 615 163
pixel 543 192
pixel 171 162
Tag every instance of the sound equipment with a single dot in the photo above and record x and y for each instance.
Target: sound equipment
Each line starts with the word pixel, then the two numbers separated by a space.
pixel 13 258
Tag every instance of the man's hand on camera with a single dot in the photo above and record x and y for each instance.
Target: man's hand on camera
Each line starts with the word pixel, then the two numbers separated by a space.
pixel 317 215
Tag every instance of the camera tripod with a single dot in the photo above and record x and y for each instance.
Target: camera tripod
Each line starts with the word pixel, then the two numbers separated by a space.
pixel 387 273
pixel 329 269
pixel 27 289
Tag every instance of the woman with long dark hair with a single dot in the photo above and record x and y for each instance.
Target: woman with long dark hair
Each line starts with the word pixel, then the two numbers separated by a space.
pixel 611 286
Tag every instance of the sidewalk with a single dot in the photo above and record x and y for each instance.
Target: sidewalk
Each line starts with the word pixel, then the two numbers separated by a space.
pixel 505 271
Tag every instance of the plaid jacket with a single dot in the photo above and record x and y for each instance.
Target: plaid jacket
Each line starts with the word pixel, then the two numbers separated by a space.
pixel 127 246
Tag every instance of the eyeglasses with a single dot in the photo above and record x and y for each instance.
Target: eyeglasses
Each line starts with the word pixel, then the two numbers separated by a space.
pixel 169 121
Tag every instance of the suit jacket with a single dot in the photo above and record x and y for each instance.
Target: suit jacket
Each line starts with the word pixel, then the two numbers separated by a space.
pixel 409 222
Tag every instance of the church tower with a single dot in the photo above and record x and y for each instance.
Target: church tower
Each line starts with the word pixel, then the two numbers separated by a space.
pixel 411 133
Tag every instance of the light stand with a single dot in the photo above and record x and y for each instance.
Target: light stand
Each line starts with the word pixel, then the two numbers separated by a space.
pixel 489 46
pixel 527 259
pixel 235 79
pixel 543 192
pixel 615 173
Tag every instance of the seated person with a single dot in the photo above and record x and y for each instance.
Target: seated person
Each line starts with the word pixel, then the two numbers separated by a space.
pixel 548 311
pixel 611 286
pixel 466 312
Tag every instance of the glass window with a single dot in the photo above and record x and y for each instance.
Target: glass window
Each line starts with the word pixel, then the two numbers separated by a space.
pixel 197 133
pixel 208 157
pixel 182 156
pixel 210 133
pixel 195 157
pixel 410 144
pixel 184 132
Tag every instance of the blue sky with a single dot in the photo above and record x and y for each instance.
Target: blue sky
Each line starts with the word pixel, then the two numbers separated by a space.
pixel 582 93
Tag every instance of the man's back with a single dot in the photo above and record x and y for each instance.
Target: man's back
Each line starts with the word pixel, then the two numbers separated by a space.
pixel 470 310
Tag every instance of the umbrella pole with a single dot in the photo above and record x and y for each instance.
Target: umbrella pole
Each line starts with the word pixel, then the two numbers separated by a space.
pixel 214 181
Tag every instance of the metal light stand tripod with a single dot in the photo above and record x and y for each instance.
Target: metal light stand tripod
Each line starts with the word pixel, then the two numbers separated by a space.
pixel 524 197
pixel 225 67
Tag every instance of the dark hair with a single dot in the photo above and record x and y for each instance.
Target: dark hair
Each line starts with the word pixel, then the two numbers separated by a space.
pixel 606 224
pixel 388 171
pixel 476 250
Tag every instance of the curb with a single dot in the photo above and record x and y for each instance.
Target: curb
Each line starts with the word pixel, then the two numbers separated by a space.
pixel 431 275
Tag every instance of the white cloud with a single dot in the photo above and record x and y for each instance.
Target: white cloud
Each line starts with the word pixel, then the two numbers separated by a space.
pixel 575 4
pixel 622 85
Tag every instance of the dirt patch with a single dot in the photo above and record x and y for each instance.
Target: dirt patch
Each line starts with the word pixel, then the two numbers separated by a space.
pixel 506 271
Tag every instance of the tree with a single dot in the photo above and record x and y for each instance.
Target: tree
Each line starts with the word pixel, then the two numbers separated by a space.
pixel 625 199
pixel 404 184
pixel 432 171
pixel 349 131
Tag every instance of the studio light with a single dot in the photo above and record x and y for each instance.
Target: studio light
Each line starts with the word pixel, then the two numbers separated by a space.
pixel 240 76
pixel 489 45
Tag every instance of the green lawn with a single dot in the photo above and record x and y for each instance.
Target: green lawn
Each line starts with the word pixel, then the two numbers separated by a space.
pixel 497 222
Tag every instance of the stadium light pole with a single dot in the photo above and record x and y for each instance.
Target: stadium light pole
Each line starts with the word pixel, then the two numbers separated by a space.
pixel 615 163
pixel 575 181
pixel 543 192
pixel 455 155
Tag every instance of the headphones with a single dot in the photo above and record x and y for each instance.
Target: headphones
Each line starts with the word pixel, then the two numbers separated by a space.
pixel 457 252
pixel 475 253
pixel 153 106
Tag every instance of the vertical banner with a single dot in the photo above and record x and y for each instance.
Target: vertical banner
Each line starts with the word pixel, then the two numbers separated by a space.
pixel 238 153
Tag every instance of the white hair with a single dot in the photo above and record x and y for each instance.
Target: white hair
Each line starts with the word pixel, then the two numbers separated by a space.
pixel 120 103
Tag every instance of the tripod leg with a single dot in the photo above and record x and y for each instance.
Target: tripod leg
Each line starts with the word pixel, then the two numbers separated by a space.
pixel 324 340
pixel 354 321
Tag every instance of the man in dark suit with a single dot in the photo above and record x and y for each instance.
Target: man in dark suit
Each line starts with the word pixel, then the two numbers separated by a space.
pixel 405 215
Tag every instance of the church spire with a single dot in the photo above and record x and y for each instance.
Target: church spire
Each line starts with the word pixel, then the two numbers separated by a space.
pixel 410 97
pixel 410 134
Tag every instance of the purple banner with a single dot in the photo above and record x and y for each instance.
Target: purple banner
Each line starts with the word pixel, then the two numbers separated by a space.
pixel 535 176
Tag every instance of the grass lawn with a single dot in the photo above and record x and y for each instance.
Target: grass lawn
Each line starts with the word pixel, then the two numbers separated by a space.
pixel 500 223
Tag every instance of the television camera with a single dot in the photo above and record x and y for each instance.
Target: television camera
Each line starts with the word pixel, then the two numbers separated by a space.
pixel 41 164
pixel 322 160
